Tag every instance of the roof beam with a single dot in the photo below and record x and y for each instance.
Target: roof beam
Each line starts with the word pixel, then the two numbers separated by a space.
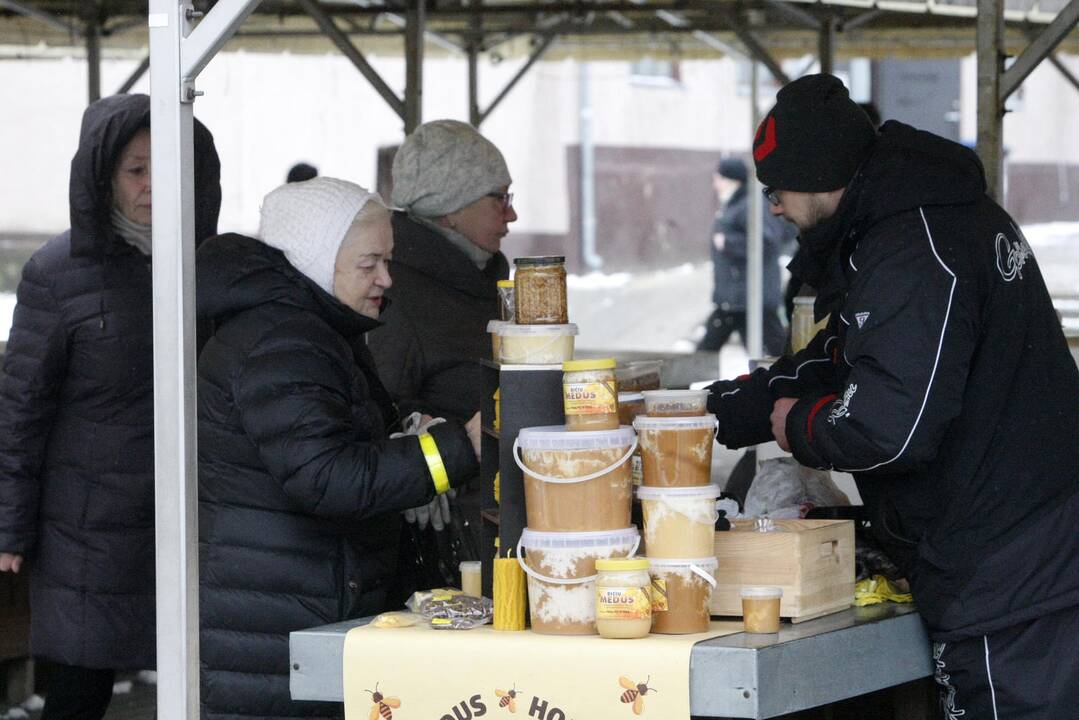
pixel 794 13
pixel 1065 71
pixel 133 78
pixel 760 53
pixel 1039 49
pixel 211 34
pixel 41 16
pixel 340 39
pixel 532 59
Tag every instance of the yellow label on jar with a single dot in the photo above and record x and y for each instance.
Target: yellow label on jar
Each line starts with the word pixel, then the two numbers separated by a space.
pixel 659 595
pixel 590 398
pixel 623 603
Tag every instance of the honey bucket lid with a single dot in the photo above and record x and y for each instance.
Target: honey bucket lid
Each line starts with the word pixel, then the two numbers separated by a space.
pixel 646 492
pixel 629 397
pixel 505 283
pixel 556 437
pixel 762 592
pixel 693 422
pixel 493 325
pixel 541 540
pixel 621 564
pixel 704 562
pixel 673 394
pixel 513 329
pixel 579 365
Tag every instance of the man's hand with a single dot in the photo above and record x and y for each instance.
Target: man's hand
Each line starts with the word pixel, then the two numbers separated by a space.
pixel 780 411
pixel 719 240
pixel 10 562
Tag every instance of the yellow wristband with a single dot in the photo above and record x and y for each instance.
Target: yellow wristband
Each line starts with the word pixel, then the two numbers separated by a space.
pixel 434 463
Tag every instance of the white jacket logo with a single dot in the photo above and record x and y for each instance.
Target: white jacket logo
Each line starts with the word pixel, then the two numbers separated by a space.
pixel 842 409
pixel 1012 255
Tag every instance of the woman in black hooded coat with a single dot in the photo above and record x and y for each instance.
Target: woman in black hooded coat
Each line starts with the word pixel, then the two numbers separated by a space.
pixel 299 487
pixel 76 414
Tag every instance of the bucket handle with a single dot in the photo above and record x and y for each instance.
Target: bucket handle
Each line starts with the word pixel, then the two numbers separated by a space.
pixel 564 581
pixel 570 481
pixel 698 570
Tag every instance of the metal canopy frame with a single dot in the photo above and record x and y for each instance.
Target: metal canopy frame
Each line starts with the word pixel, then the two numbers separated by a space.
pixel 184 38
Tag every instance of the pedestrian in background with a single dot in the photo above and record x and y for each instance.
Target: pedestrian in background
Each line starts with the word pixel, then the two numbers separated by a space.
pixel 77 415
pixel 729 255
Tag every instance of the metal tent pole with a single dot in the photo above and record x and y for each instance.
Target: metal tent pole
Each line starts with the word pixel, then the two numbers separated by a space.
pixel 177 54
pixel 826 46
pixel 92 15
pixel 414 28
pixel 475 117
pixel 754 240
pixel 1039 49
pixel 990 41
pixel 135 76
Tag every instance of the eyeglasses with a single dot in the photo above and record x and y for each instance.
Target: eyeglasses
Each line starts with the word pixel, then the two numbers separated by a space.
pixel 506 198
pixel 771 194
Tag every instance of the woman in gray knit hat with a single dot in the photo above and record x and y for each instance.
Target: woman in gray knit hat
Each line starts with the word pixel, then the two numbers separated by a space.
pixel 452 186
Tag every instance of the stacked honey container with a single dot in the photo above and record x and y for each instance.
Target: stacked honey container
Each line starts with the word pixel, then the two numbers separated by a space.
pixel 678 504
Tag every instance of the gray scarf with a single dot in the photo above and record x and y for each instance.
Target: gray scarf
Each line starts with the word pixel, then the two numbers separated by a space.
pixel 475 253
pixel 133 233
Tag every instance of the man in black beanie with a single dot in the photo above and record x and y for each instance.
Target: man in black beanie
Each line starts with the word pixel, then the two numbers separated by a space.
pixel 729 244
pixel 942 381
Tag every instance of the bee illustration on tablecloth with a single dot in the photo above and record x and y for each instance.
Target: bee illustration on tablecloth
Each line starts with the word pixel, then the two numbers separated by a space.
pixel 508 698
pixel 635 693
pixel 382 705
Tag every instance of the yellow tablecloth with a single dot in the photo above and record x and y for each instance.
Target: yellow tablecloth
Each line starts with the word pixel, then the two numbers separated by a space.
pixel 425 674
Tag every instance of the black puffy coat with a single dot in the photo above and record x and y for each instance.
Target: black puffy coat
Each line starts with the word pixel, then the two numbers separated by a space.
pixel 943 383
pixel 298 487
pixel 729 264
pixel 436 325
pixel 76 413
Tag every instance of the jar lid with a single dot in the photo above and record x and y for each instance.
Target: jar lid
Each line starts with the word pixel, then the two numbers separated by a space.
pixel 540 260
pixel 511 328
pixel 557 437
pixel 505 283
pixel 693 422
pixel 674 395
pixel 630 397
pixel 646 492
pixel 578 365
pixel 621 564
pixel 494 325
pixel 762 592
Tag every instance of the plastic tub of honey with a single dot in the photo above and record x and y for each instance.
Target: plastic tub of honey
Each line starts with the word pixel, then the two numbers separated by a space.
pixel 589 395
pixel 639 375
pixel 679 522
pixel 675 403
pixel 496 339
pixel 676 451
pixel 561 569
pixel 535 344
pixel 760 609
pixel 681 592
pixel 576 480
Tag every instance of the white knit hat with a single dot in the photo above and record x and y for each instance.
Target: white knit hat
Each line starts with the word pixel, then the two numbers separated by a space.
pixel 308 220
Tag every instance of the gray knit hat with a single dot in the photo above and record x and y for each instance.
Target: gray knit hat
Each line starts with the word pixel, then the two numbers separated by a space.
pixel 443 166
pixel 308 221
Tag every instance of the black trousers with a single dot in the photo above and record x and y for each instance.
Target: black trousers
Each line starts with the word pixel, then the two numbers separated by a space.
pixel 1026 672
pixel 721 324
pixel 77 693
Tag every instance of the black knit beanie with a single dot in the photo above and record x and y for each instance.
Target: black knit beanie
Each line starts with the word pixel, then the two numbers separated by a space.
pixel 814 138
pixel 732 169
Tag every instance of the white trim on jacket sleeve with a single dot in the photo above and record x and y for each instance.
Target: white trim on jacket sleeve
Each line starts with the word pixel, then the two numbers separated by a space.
pixel 798 369
pixel 936 361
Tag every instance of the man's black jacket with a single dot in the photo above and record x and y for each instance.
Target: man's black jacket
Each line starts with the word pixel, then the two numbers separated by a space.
pixel 943 382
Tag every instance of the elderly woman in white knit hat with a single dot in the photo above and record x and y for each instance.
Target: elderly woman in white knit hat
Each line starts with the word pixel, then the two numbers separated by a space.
pixel 452 186
pixel 300 487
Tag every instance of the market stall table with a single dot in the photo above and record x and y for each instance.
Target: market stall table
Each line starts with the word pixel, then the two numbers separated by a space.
pixel 808 665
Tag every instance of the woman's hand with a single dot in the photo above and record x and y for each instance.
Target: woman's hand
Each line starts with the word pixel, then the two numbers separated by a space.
pixel 472 427
pixel 10 562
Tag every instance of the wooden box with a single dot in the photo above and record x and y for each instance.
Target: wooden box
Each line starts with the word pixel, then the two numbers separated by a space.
pixel 812 560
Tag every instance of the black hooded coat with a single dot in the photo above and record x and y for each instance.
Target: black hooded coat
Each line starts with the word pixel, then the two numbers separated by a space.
pixel 299 489
pixel 77 412
pixel 943 382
